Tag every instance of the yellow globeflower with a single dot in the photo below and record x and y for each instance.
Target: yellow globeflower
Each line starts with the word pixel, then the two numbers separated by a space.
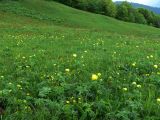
pixel 134 64
pixel 124 89
pixel 94 77
pixel 19 86
pixel 67 102
pixel 158 100
pixel 74 55
pixel 134 83
pixel 67 70
pixel 151 56
pixel 99 74
pixel 139 86
pixel 155 66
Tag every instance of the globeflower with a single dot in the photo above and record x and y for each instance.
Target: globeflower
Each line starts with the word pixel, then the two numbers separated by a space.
pixel 134 83
pixel 99 74
pixel 74 55
pixel 67 70
pixel 139 86
pixel 134 64
pixel 94 77
pixel 124 89
pixel 19 86
pixel 151 56
pixel 155 66
pixel 158 100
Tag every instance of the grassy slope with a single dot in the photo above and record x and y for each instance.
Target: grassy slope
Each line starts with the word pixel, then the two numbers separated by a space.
pixel 47 34
pixel 76 18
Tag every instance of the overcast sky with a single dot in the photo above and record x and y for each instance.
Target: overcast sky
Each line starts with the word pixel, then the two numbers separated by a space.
pixel 155 3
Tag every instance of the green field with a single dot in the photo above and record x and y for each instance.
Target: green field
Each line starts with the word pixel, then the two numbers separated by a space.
pixel 57 62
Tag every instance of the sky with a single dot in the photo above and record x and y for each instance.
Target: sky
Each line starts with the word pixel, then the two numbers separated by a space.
pixel 155 3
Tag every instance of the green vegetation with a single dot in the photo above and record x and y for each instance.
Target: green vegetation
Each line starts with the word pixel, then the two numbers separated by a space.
pixel 123 11
pixel 57 62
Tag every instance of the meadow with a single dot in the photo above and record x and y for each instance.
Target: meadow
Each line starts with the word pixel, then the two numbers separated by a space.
pixel 65 64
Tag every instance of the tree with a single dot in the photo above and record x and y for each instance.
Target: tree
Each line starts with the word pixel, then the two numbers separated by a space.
pixel 122 12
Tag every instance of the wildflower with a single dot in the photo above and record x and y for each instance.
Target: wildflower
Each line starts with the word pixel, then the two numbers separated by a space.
pixel 74 55
pixel 155 66
pixel 85 51
pixel 134 64
pixel 74 101
pixel 158 73
pixel 67 70
pixel 94 77
pixel 139 86
pixel 158 100
pixel 124 89
pixel 19 86
pixel 67 102
pixel 151 56
pixel 134 83
pixel 99 74
pixel 2 76
pixel 10 83
pixel 28 94
pixel 27 66
pixel 23 57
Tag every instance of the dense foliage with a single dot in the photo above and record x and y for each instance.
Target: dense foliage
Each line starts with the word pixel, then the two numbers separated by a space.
pixel 123 11
pixel 74 65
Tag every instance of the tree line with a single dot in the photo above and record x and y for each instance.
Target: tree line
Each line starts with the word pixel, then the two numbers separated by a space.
pixel 123 11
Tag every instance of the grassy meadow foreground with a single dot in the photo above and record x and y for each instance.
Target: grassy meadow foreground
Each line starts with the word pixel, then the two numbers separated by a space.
pixel 66 64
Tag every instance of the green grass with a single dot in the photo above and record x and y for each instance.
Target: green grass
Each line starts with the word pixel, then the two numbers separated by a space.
pixel 38 43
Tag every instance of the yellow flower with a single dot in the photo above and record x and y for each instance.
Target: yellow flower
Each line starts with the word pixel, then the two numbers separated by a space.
pixel 67 70
pixel 151 56
pixel 158 100
pixel 94 77
pixel 74 101
pixel 134 64
pixel 2 76
pixel 134 83
pixel 10 83
pixel 67 102
pixel 124 89
pixel 99 74
pixel 74 55
pixel 139 86
pixel 155 66
pixel 158 73
pixel 19 86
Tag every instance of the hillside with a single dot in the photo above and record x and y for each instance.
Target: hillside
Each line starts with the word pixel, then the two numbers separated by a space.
pixel 51 11
pixel 137 5
pixel 60 63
